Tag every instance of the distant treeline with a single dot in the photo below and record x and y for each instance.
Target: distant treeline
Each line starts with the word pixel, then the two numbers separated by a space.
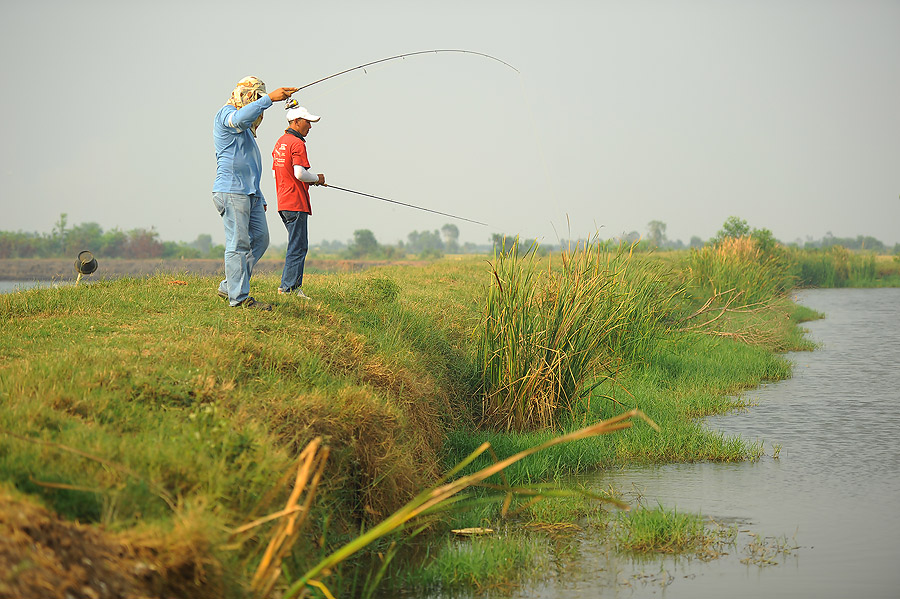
pixel 422 244
pixel 735 227
pixel 143 243
pixel 115 243
pixel 65 240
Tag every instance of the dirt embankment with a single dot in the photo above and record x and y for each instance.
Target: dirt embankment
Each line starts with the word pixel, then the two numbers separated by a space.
pixel 43 556
pixel 49 269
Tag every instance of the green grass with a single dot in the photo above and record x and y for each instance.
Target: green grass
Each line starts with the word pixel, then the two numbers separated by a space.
pixel 835 267
pixel 688 378
pixel 839 267
pixel 209 405
pixel 142 402
pixel 660 531
pixel 479 563
pixel 580 507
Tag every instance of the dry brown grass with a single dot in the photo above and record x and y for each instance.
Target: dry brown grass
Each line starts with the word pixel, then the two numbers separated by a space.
pixel 739 249
pixel 386 463
pixel 766 324
pixel 311 465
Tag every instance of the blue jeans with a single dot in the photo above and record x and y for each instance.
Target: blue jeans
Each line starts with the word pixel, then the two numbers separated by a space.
pixel 297 246
pixel 246 240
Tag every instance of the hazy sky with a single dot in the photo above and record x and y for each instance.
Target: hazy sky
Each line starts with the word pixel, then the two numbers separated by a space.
pixel 784 113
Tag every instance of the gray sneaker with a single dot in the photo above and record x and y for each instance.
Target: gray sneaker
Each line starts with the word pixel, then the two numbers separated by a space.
pixel 252 303
pixel 221 294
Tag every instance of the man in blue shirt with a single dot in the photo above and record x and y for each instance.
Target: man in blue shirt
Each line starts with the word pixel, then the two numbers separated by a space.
pixel 236 192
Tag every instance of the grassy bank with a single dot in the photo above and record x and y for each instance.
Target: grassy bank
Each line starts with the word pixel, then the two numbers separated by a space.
pixel 149 407
pixel 203 408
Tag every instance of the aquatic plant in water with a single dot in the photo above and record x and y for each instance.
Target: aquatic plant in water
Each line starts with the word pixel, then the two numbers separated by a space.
pixel 668 531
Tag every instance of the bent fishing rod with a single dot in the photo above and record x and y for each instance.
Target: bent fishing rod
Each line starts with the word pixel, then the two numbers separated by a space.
pixel 368 195
pixel 398 56
pixel 368 64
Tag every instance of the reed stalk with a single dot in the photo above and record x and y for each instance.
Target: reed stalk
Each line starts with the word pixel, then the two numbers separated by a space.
pixel 292 518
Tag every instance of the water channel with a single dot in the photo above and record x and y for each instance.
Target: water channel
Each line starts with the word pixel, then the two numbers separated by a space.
pixel 13 286
pixel 832 495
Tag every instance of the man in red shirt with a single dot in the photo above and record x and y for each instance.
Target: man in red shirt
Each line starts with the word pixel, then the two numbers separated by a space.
pixel 292 180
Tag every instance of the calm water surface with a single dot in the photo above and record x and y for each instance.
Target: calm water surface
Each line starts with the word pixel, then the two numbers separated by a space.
pixel 11 286
pixel 834 491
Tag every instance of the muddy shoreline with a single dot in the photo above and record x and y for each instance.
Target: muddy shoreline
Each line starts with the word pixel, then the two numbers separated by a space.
pixel 52 269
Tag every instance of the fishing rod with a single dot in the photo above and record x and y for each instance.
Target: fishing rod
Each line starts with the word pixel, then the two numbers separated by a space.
pixel 368 64
pixel 368 195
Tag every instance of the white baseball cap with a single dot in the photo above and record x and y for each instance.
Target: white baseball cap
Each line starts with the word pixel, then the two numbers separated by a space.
pixel 298 112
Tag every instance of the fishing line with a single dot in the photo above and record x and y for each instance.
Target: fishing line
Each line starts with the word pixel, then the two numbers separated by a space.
pixel 368 195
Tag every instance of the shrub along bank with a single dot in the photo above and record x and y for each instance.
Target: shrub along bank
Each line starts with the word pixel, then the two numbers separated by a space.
pixel 149 407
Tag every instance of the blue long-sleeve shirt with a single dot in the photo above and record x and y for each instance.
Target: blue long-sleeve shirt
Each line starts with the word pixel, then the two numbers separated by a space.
pixel 238 163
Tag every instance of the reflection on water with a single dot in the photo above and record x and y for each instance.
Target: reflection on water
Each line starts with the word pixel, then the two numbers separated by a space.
pixel 834 491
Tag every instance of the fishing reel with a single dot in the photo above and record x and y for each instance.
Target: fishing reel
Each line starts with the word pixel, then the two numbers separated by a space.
pixel 291 103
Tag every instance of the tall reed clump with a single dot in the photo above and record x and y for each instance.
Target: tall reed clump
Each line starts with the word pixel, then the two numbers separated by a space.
pixel 835 267
pixel 546 332
pixel 739 264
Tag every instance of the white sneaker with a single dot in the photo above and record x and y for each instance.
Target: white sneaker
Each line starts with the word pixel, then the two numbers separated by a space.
pixel 299 293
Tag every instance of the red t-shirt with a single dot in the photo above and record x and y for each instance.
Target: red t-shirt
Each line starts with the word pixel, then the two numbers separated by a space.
pixel 293 194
